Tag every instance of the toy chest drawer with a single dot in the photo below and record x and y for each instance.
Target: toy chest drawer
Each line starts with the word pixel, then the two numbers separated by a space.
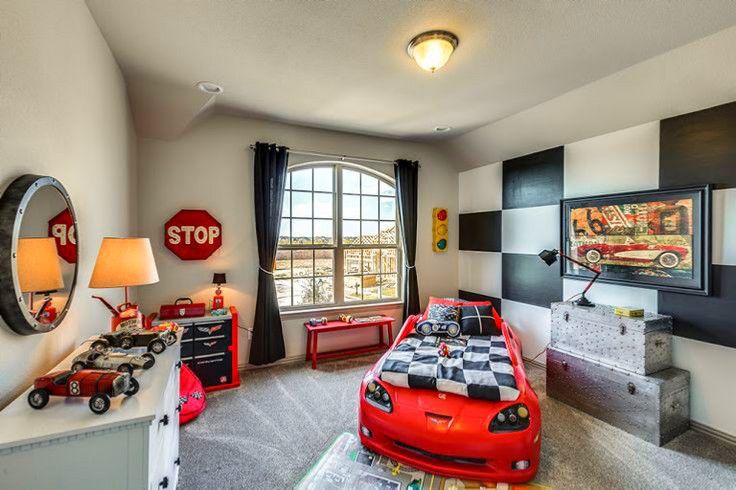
pixel 210 329
pixel 187 348
pixel 641 345
pixel 212 345
pixel 654 408
pixel 214 369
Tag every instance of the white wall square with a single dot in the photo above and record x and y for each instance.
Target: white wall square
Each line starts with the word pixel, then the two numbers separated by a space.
pixel 622 161
pixel 531 324
pixel 612 294
pixel 530 230
pixel 480 272
pixel 481 188
pixel 724 226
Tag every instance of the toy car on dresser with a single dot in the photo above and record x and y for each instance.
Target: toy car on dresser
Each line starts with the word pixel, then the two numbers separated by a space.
pixel 155 341
pixel 100 386
pixel 454 401
pixel 110 359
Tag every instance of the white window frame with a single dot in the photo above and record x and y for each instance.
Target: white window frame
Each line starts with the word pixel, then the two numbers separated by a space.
pixel 338 246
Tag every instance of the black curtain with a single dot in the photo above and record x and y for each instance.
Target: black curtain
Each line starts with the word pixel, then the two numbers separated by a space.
pixel 269 179
pixel 407 177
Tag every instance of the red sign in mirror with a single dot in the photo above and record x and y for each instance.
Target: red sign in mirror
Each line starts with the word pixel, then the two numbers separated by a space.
pixel 193 234
pixel 61 228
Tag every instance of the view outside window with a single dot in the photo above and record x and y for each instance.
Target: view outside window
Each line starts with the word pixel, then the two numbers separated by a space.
pixel 338 242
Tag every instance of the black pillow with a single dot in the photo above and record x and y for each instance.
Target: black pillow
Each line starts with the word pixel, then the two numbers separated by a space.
pixel 478 320
pixel 443 313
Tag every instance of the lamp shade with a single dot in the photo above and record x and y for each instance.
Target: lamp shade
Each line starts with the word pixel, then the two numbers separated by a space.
pixel 548 256
pixel 219 278
pixel 39 270
pixel 124 262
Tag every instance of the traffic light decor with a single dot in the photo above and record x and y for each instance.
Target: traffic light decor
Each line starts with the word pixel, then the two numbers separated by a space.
pixel 439 230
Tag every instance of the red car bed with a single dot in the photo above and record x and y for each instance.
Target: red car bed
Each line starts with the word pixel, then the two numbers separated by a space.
pixel 455 419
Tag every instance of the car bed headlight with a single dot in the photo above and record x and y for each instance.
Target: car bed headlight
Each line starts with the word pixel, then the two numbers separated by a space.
pixel 511 419
pixel 376 395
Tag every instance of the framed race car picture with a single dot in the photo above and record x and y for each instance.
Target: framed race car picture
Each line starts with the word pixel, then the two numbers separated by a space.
pixel 657 239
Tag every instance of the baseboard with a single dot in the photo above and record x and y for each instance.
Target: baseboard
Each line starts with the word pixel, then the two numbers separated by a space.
pixel 718 434
pixel 535 363
pixel 280 362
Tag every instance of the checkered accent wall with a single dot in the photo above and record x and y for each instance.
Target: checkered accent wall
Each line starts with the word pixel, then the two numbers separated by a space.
pixel 509 212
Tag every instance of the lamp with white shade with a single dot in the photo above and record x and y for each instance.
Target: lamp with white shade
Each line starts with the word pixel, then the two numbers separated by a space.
pixel 39 271
pixel 124 262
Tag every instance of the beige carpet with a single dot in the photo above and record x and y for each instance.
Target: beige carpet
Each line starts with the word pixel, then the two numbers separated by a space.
pixel 269 432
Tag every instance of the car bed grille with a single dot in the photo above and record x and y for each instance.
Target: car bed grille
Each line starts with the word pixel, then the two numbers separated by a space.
pixel 440 457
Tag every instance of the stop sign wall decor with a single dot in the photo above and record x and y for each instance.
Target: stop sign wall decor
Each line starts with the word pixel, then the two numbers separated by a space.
pixel 61 228
pixel 193 234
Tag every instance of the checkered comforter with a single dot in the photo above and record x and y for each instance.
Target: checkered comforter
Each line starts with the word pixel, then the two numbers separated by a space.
pixel 477 366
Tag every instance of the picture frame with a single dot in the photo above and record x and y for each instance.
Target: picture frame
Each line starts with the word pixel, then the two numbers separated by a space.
pixel 658 239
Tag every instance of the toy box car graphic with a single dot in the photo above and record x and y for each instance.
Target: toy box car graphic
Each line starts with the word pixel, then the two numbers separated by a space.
pixel 156 342
pixel 109 359
pixel 667 256
pixel 100 386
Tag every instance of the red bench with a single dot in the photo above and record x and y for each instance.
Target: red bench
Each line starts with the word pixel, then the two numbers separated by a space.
pixel 313 332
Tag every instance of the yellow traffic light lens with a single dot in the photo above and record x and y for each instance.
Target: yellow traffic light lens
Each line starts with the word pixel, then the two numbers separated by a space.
pixel 523 412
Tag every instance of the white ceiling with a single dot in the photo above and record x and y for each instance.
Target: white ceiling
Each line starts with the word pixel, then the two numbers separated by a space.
pixel 343 65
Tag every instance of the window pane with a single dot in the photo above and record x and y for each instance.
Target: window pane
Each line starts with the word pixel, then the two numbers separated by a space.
pixel 371 288
pixel 324 262
pixel 371 260
pixel 283 264
pixel 323 232
pixel 388 232
pixel 301 205
pixel 369 232
pixel 352 262
pixel 286 208
pixel 351 207
pixel 350 232
pixel 369 207
pixel 323 205
pixel 288 181
pixel 323 179
pixel 302 263
pixel 387 189
pixel 388 260
pixel 390 286
pixel 353 291
pixel 350 181
pixel 324 290
pixel 283 291
pixel 388 208
pixel 303 291
pixel 301 231
pixel 369 185
pixel 301 179
pixel 284 232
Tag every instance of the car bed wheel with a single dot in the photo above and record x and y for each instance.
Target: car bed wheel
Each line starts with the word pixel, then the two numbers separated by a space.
pixel 38 398
pixel 134 387
pixel 593 256
pixel 99 403
pixel 157 346
pixel 125 368
pixel 78 366
pixel 668 260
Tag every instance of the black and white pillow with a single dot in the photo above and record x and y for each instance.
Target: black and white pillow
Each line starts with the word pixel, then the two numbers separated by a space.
pixel 443 313
pixel 478 320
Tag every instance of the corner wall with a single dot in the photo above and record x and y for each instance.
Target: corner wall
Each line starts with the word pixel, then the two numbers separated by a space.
pixel 65 114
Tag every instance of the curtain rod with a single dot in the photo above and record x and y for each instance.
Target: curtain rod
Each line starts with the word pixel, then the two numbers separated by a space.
pixel 340 157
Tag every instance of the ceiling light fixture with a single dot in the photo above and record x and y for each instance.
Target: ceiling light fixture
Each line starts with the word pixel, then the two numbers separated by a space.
pixel 432 49
pixel 442 129
pixel 210 88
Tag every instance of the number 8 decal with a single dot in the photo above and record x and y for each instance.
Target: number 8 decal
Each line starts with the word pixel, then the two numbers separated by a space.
pixel 74 387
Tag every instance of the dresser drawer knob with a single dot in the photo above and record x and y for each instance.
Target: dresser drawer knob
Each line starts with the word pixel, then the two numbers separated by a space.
pixel 178 364
pixel 622 329
pixel 178 408
pixel 164 420
pixel 564 365
pixel 631 388
pixel 164 483
pixel 566 317
pixel 177 461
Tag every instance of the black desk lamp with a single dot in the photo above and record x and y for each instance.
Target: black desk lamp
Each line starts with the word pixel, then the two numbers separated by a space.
pixel 550 257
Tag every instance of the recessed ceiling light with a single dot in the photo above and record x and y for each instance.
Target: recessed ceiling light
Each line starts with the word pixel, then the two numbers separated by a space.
pixel 210 88
pixel 432 49
pixel 442 129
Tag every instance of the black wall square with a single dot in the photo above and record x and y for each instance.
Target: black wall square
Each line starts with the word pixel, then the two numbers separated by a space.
pixel 534 180
pixel 526 279
pixel 705 318
pixel 699 148
pixel 469 296
pixel 481 231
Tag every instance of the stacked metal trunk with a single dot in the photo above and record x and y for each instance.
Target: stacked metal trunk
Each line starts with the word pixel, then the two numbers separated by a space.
pixel 618 369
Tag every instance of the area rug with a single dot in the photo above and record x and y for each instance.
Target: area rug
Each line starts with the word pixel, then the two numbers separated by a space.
pixel 346 464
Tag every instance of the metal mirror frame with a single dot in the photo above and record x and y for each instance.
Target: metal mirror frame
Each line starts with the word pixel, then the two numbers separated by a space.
pixel 13 203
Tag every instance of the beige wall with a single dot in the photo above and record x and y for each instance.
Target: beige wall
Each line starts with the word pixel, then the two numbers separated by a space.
pixel 64 113
pixel 210 167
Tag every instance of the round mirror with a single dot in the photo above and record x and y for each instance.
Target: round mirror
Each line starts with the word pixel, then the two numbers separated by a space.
pixel 38 254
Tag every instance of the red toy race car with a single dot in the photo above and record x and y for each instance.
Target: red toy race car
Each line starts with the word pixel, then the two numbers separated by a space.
pixel 667 256
pixel 449 434
pixel 100 386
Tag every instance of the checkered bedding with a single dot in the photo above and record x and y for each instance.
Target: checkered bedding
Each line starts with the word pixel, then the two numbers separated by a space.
pixel 477 366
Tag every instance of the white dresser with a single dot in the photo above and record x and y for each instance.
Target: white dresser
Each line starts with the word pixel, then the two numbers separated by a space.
pixel 135 445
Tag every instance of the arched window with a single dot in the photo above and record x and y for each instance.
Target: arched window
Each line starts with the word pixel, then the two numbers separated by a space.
pixel 339 242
